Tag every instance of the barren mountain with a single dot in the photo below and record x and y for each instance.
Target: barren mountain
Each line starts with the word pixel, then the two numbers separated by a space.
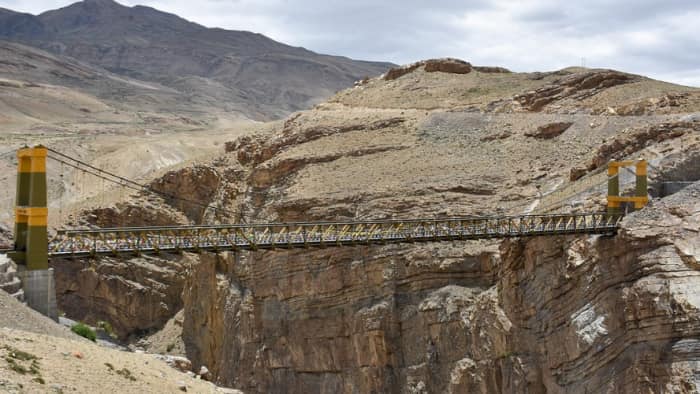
pixel 41 90
pixel 228 70
pixel 130 126
pixel 552 314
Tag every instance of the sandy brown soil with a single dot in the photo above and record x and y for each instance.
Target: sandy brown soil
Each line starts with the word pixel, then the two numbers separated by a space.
pixel 80 366
pixel 66 362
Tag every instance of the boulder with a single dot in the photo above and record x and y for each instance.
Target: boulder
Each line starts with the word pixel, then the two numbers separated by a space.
pixel 550 130
pixel 5 237
pixel 182 364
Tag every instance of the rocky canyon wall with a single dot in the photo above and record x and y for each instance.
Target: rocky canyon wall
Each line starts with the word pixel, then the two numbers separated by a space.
pixel 552 314
pixel 610 314
pixel 134 295
pixel 363 319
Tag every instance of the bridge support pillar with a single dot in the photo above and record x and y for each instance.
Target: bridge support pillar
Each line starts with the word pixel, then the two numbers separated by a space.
pixel 40 291
pixel 31 235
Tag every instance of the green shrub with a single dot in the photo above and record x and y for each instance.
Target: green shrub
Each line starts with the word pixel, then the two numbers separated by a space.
pixel 106 327
pixel 127 374
pixel 84 331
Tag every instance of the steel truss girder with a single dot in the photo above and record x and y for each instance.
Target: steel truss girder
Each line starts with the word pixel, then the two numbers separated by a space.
pixel 174 239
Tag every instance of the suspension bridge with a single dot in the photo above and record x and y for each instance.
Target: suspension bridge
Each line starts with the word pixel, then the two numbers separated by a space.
pixel 33 248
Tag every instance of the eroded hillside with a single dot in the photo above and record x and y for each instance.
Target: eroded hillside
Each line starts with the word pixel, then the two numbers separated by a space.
pixel 552 314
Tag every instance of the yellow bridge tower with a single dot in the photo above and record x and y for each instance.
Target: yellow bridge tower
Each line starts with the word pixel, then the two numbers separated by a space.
pixel 31 236
pixel 640 199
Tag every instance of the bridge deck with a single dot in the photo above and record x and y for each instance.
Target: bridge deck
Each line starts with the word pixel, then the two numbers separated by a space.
pixel 174 239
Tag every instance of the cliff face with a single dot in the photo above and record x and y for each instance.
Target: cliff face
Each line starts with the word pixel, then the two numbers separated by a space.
pixel 134 295
pixel 615 314
pixel 553 314
pixel 364 319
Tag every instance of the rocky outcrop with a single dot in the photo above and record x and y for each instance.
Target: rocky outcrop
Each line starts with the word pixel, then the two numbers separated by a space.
pixel 189 190
pixel 576 86
pixel 251 150
pixel 666 103
pixel 678 170
pixel 133 214
pixel 550 130
pixel 9 278
pixel 446 65
pixel 134 295
pixel 274 171
pixel 6 238
pixel 491 70
pixel 610 314
pixel 637 139
pixel 452 66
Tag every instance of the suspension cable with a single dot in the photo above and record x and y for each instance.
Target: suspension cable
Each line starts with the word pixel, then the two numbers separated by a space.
pixel 125 182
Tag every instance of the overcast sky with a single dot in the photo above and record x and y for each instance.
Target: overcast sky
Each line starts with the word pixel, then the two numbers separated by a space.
pixel 660 39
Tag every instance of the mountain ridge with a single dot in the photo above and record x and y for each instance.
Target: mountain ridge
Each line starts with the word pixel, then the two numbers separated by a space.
pixel 266 79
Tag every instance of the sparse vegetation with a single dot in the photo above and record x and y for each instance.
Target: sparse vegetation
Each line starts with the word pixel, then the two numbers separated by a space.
pixel 127 374
pixel 84 331
pixel 19 355
pixel 16 360
pixel 15 366
pixel 107 327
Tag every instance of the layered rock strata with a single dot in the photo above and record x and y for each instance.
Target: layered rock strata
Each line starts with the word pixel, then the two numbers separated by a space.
pixel 134 295
pixel 557 314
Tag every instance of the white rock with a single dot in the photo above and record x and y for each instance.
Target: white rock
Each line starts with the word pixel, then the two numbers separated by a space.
pixel 691 117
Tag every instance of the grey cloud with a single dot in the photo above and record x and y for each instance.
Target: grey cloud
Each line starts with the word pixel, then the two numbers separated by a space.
pixel 642 36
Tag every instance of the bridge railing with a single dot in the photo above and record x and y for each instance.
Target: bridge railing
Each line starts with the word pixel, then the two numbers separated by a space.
pixel 307 234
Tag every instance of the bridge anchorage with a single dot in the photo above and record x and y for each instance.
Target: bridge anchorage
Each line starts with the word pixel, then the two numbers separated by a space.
pixel 32 248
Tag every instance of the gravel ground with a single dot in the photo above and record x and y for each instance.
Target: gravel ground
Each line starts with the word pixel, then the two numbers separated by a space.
pixel 66 362
pixel 35 363
pixel 15 315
